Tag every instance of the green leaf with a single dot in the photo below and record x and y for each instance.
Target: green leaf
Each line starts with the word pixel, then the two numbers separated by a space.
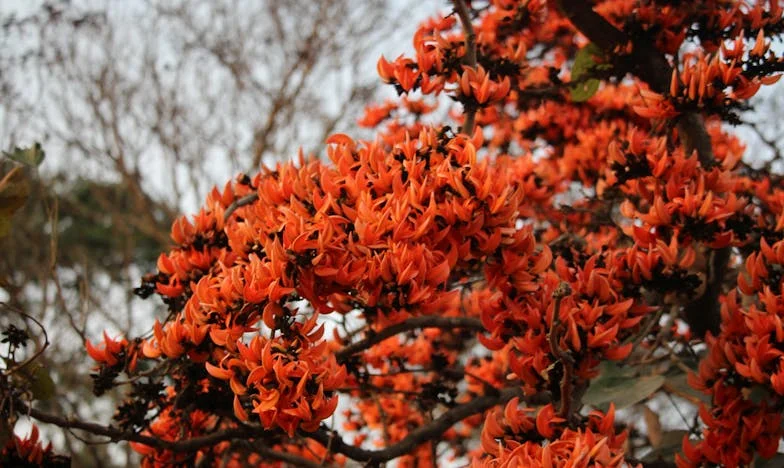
pixel 14 191
pixel 42 384
pixel 584 90
pixel 620 386
pixel 32 156
pixel 38 381
pixel 584 63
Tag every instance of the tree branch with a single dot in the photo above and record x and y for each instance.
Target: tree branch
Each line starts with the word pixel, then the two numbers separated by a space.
pixel 289 459
pixel 430 432
pixel 645 61
pixel 470 56
pixel 187 445
pixel 240 202
pixel 563 356
pixel 427 321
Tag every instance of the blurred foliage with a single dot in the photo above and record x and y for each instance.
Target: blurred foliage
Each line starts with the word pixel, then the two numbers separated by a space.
pixel 96 223
pixel 94 226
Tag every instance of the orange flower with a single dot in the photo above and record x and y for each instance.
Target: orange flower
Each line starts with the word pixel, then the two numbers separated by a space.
pixel 476 83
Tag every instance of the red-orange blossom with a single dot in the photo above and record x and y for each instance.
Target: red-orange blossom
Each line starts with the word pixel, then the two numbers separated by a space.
pixel 501 257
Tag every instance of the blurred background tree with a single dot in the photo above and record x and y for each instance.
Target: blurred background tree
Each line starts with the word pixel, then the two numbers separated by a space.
pixel 141 107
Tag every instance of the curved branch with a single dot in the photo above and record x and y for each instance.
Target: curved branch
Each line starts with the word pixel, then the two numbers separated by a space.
pixel 410 324
pixel 430 432
pixel 288 458
pixel 38 352
pixel 187 445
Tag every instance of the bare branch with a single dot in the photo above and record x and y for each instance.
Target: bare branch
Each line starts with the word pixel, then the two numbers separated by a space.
pixel 240 202
pixel 429 432
pixel 37 352
pixel 410 324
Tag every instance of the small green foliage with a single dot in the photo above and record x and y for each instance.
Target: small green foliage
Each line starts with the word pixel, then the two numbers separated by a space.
pixel 35 378
pixel 14 191
pixel 32 156
pixel 585 64
pixel 621 386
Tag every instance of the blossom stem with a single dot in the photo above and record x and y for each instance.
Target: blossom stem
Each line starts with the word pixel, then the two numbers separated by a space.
pixel 469 58
pixel 566 360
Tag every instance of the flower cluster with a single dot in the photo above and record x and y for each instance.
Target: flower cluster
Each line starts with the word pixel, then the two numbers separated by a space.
pixel 716 82
pixel 286 381
pixel 405 278
pixel 29 451
pixel 115 356
pixel 675 195
pixel 515 437
pixel 590 321
pixel 744 371
pixel 386 230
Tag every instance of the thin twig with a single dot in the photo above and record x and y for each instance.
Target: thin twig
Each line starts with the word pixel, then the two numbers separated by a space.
pixel 38 352
pixel 240 202
pixel 770 143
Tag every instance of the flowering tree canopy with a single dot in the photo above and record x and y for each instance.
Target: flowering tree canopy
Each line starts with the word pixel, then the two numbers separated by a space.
pixel 580 235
